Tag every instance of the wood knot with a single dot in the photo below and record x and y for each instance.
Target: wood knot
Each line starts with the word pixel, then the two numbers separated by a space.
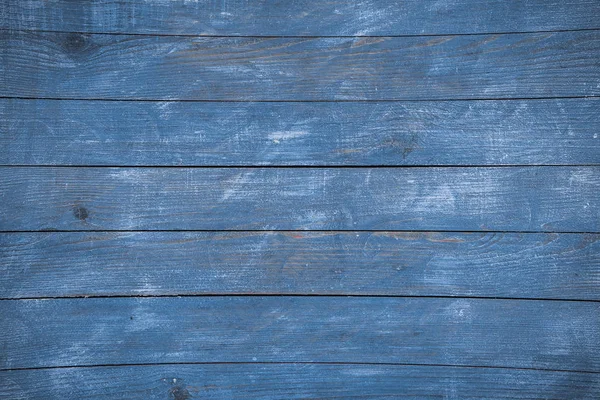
pixel 178 389
pixel 75 42
pixel 78 47
pixel 80 213
pixel 179 393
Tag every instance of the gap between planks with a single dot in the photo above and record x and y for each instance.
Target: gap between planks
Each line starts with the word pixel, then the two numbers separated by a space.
pixel 389 296
pixel 172 100
pixel 9 231
pixel 191 35
pixel 299 363
pixel 300 166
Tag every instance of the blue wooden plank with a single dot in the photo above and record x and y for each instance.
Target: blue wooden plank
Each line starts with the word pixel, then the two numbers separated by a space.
pixel 557 266
pixel 70 65
pixel 300 17
pixel 295 381
pixel 561 335
pixel 513 132
pixel 557 199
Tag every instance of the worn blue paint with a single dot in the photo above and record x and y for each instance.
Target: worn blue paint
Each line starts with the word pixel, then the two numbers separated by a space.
pixel 301 17
pixel 549 265
pixel 561 335
pixel 383 68
pixel 457 88
pixel 551 199
pixel 296 381
pixel 523 132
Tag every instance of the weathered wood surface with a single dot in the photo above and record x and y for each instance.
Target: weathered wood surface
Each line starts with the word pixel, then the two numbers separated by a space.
pixel 558 199
pixel 70 65
pixel 296 381
pixel 561 335
pixel 557 266
pixel 304 17
pixel 50 132
pixel 470 280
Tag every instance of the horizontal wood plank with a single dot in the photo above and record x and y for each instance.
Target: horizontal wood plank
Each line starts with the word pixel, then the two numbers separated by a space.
pixel 517 132
pixel 295 381
pixel 557 199
pixel 558 266
pixel 561 335
pixel 303 17
pixel 71 65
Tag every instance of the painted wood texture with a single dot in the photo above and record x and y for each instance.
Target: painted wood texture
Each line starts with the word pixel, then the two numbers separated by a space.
pixel 558 266
pixel 272 17
pixel 559 199
pixel 296 381
pixel 525 132
pixel 187 165
pixel 70 65
pixel 561 335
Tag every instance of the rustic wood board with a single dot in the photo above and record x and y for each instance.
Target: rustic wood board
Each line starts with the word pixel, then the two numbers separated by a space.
pixel 303 17
pixel 561 335
pixel 557 266
pixel 515 132
pixel 270 199
pixel 555 199
pixel 296 381
pixel 71 65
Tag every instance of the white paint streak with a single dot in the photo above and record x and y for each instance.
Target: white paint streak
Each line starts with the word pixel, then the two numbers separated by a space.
pixel 459 311
pixel 441 199
pixel 363 372
pixel 313 219
pixel 233 185
pixel 284 135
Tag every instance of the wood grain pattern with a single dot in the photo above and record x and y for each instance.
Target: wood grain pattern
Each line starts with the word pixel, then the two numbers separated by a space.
pixel 513 132
pixel 152 157
pixel 558 266
pixel 296 381
pixel 558 199
pixel 300 17
pixel 561 335
pixel 166 68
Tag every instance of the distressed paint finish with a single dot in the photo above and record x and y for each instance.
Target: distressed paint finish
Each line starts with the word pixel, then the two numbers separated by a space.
pixel 557 266
pixel 557 199
pixel 296 381
pixel 303 17
pixel 151 157
pixel 71 65
pixel 561 335
pixel 524 132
